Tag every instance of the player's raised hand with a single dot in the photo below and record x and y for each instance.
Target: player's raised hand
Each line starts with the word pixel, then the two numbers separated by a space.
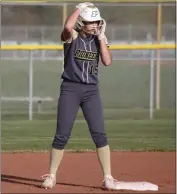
pixel 101 34
pixel 82 6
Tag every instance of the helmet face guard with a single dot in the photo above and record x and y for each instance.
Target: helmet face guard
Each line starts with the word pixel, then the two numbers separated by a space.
pixel 95 29
pixel 88 17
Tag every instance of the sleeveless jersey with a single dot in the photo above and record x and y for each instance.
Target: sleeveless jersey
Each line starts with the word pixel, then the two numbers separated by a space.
pixel 81 59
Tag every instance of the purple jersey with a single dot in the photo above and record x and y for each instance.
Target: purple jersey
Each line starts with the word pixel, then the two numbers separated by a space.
pixel 81 58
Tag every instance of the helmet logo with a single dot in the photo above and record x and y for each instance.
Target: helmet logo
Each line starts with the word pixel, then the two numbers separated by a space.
pixel 94 13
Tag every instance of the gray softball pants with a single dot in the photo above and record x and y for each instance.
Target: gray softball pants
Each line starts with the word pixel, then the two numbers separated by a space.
pixel 72 96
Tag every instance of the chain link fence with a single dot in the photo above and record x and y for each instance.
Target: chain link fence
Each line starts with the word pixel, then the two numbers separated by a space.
pixel 125 86
pixel 125 22
pixel 115 34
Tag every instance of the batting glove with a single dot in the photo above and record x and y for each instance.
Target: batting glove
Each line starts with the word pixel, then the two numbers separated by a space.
pixel 82 6
pixel 101 34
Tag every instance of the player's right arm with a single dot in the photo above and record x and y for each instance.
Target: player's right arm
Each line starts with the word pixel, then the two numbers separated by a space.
pixel 67 32
pixel 69 25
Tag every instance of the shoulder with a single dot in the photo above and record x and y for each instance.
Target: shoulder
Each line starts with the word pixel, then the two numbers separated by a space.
pixel 73 37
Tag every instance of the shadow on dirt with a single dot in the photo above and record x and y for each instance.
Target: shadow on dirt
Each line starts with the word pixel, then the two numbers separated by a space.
pixel 36 182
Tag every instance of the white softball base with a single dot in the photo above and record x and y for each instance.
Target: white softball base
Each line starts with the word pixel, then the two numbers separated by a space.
pixel 137 186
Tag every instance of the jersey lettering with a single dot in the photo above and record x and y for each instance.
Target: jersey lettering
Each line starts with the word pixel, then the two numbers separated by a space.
pixel 85 55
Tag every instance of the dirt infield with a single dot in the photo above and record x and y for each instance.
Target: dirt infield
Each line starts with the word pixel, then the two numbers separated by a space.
pixel 81 173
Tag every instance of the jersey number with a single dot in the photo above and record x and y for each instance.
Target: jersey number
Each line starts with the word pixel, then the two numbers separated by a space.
pixel 93 69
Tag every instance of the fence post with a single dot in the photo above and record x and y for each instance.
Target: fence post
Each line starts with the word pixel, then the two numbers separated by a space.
pixel 64 13
pixel 0 103
pixel 30 85
pixel 158 67
pixel 151 89
pixel 0 117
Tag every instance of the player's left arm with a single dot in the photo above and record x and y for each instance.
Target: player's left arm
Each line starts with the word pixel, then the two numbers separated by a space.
pixel 106 56
pixel 105 53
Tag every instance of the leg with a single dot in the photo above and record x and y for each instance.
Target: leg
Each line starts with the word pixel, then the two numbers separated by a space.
pixel 68 105
pixel 93 113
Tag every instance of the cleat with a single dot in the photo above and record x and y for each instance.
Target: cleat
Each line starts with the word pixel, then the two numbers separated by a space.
pixel 110 184
pixel 50 181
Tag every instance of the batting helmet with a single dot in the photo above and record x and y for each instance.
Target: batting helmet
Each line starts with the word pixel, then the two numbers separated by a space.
pixel 90 14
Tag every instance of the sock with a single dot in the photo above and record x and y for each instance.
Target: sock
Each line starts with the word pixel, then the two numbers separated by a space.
pixel 104 158
pixel 55 160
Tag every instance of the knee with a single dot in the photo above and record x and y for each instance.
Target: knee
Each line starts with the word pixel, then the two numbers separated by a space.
pixel 60 141
pixel 100 139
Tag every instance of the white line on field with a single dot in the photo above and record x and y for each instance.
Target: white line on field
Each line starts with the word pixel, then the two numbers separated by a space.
pixel 76 121
pixel 42 139
pixel 11 141
pixel 50 121
pixel 73 142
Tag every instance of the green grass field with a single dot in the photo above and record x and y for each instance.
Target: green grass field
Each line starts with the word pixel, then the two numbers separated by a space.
pixel 125 93
pixel 157 135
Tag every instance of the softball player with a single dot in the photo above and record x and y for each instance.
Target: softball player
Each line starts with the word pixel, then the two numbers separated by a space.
pixel 84 42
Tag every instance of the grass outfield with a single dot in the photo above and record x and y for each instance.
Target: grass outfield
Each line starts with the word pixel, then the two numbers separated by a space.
pixel 157 135
pixel 125 92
